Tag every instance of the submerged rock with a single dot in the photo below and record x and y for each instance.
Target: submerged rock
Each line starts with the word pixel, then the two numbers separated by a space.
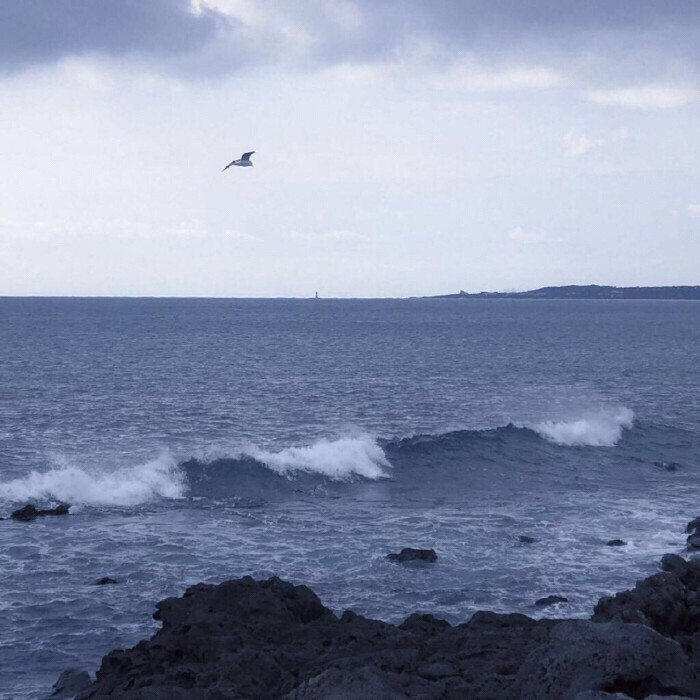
pixel 616 543
pixel 409 554
pixel 668 466
pixel 551 600
pixel 526 539
pixel 29 512
pixel 257 640
pixel 105 581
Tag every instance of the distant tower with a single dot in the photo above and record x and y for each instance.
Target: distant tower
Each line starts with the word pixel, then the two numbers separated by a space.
pixel 316 297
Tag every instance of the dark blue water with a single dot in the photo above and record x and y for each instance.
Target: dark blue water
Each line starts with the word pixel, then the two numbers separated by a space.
pixel 207 439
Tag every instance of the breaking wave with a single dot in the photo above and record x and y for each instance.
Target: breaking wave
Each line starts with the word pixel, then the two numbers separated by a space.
pixel 165 477
pixel 129 486
pixel 600 429
pixel 343 459
pixel 337 459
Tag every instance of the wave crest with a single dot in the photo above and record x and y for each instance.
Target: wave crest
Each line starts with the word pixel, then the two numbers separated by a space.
pixel 600 429
pixel 130 486
pixel 339 459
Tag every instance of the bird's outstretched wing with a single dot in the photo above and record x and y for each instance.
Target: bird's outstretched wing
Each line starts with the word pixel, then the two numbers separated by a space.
pixel 229 165
pixel 246 156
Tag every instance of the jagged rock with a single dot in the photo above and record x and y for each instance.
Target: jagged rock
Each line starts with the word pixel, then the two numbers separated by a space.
pixel 693 541
pixel 409 554
pixel 105 581
pixel 255 640
pixel 551 600
pixel 526 539
pixel 70 683
pixel 616 543
pixel 29 512
pixel 668 602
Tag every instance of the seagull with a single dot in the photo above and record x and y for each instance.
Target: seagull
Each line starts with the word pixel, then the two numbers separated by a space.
pixel 243 161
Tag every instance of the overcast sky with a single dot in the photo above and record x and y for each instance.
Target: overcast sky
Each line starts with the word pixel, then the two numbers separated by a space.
pixel 402 148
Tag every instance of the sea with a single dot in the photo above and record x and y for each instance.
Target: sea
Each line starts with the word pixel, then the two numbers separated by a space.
pixel 208 439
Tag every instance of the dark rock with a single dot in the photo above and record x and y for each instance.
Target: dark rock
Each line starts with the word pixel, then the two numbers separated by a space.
pixel 550 600
pixel 105 581
pixel 334 684
pixel 409 554
pixel 255 640
pixel 693 526
pixel 526 539
pixel 616 543
pixel 668 602
pixel 613 657
pixel 29 512
pixel 693 541
pixel 668 466
pixel 674 564
pixel 70 683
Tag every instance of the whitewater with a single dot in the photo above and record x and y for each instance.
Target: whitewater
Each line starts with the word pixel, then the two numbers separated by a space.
pixel 200 440
pixel 357 456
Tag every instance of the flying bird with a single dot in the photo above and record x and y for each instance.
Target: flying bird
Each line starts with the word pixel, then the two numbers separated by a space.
pixel 243 161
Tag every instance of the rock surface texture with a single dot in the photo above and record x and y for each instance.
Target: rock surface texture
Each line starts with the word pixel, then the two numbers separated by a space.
pixel 270 639
pixel 30 512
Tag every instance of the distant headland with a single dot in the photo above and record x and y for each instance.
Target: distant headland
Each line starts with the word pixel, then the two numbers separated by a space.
pixel 586 291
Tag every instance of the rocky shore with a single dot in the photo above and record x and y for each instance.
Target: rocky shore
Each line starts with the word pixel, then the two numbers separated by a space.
pixel 271 639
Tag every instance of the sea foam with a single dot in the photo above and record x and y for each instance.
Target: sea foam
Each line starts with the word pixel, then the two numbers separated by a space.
pixel 602 428
pixel 127 486
pixel 337 459
pixel 163 477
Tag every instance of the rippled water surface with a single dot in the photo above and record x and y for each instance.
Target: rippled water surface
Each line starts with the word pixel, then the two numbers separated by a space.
pixel 207 439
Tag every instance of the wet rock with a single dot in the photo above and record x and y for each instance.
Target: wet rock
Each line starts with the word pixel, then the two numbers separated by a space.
pixel 668 466
pixel 693 541
pixel 693 526
pixel 30 512
pixel 70 683
pixel 408 554
pixel 550 600
pixel 105 581
pixel 616 543
pixel 526 539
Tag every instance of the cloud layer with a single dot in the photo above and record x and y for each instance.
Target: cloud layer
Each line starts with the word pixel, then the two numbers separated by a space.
pixel 41 31
pixel 222 35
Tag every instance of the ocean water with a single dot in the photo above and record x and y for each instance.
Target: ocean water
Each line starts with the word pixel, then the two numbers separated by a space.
pixel 200 440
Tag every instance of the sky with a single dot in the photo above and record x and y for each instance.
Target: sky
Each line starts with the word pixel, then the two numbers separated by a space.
pixel 402 148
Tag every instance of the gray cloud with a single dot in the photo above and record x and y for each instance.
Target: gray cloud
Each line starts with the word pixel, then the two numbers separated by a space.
pixel 40 31
pixel 609 38
pixel 657 34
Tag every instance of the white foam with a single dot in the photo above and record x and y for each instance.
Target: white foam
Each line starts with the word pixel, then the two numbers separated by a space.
pixel 159 478
pixel 338 459
pixel 602 428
